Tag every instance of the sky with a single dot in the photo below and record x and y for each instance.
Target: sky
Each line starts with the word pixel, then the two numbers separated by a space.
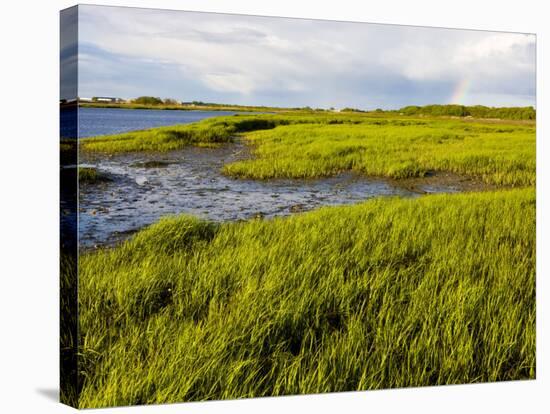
pixel 250 60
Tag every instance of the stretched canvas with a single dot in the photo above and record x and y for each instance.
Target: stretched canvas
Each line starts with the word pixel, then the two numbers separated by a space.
pixel 258 206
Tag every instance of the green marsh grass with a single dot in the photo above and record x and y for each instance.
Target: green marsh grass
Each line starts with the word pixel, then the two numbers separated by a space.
pixel 502 155
pixel 207 132
pixel 387 293
pixel 307 146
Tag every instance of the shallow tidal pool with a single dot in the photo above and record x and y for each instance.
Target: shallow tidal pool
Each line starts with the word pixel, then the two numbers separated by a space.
pixel 142 187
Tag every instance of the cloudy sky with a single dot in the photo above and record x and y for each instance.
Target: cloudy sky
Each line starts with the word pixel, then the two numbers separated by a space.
pixel 128 52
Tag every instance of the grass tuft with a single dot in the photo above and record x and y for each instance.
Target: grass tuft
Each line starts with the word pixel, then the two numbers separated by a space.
pixel 90 175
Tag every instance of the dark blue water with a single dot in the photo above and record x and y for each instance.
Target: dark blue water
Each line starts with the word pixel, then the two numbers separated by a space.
pixel 68 127
pixel 106 121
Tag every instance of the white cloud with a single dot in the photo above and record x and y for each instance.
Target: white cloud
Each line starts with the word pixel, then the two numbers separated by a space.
pixel 255 59
pixel 230 82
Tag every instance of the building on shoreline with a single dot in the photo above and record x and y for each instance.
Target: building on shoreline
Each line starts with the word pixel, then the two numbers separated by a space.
pixel 102 99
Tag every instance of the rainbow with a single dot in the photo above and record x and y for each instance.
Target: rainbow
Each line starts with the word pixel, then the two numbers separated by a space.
pixel 460 91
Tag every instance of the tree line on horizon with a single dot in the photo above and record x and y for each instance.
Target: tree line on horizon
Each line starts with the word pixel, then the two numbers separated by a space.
pixel 475 111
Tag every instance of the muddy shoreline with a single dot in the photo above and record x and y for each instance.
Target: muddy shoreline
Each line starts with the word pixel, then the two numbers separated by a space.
pixel 437 181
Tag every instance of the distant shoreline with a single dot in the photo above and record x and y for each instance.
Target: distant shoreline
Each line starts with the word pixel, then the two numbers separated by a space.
pixel 184 107
pixel 417 112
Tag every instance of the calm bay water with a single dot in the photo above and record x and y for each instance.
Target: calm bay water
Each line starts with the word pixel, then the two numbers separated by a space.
pixel 106 121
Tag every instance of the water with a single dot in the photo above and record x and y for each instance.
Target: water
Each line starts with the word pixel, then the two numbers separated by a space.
pixel 68 115
pixel 190 181
pixel 105 121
